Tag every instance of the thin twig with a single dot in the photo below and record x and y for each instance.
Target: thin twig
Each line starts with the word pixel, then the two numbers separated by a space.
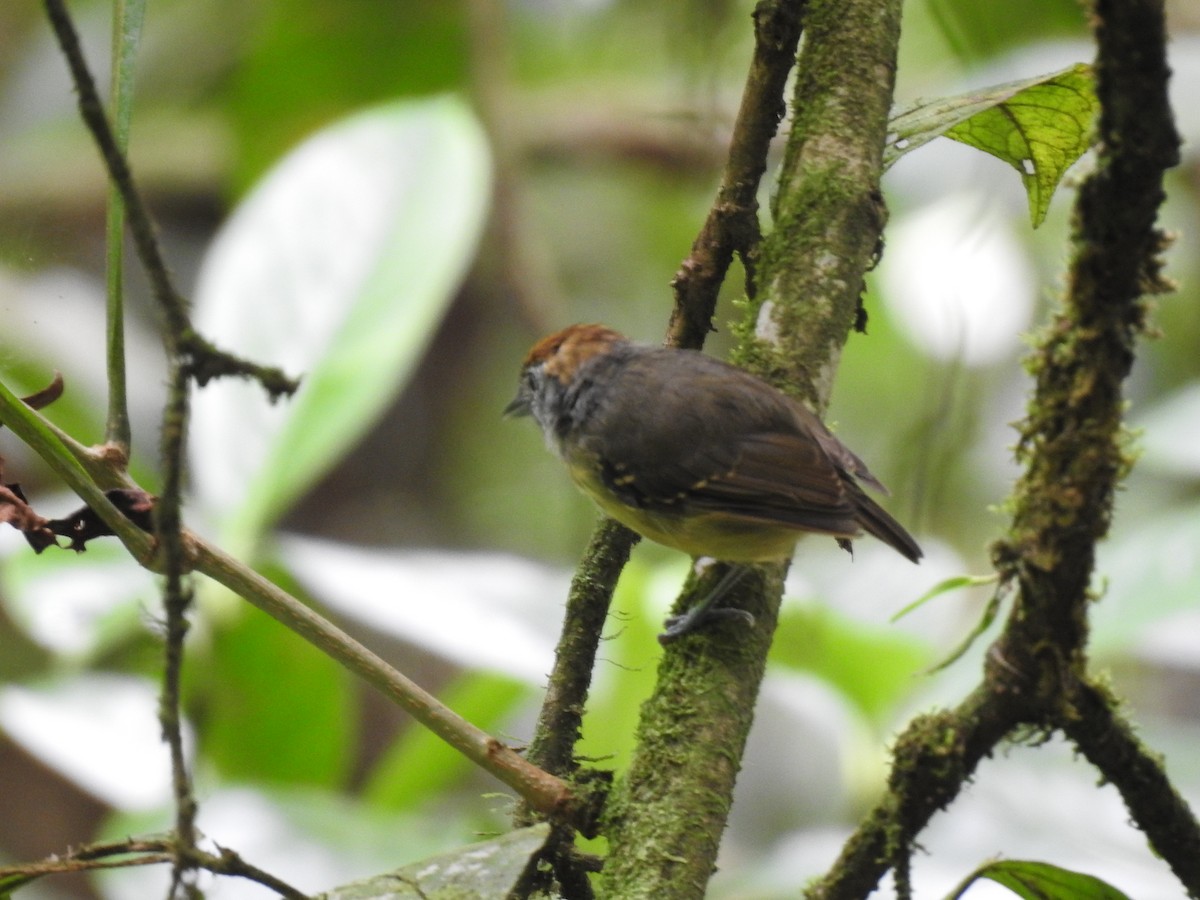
pixel 542 791
pixel 138 852
pixel 732 223
pixel 127 27
pixel 170 302
pixel 177 598
pixel 227 862
pixel 189 357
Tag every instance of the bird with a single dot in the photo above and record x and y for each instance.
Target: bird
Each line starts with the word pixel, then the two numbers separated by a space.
pixel 696 454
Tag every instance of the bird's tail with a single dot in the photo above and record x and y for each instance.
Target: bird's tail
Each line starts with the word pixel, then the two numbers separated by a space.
pixel 876 521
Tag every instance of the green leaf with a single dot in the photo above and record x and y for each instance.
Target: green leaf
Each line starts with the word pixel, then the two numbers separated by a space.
pixel 1041 881
pixel 627 659
pixel 945 587
pixel 338 267
pixel 1039 126
pixel 420 765
pixel 953 584
pixel 10 883
pixel 871 666
pixel 281 712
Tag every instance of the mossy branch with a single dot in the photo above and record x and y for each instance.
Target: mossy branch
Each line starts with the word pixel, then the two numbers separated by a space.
pixel 1072 446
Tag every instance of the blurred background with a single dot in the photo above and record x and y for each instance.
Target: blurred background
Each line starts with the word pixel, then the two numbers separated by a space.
pixel 394 200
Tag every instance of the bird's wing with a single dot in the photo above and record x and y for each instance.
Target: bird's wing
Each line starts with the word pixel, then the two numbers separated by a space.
pixel 716 442
pixel 783 478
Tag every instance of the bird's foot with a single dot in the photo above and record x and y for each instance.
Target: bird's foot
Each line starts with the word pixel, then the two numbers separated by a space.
pixel 700 617
pixel 706 612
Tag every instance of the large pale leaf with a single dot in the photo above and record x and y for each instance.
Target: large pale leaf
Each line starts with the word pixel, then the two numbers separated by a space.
pixel 486 611
pixel 338 267
pixel 1039 126
pixel 97 730
pixel 1170 433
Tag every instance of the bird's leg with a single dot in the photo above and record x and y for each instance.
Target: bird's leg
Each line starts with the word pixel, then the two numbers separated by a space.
pixel 704 612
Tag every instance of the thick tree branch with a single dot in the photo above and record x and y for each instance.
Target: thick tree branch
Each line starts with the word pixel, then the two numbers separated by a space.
pixel 828 210
pixel 934 759
pixel 1072 447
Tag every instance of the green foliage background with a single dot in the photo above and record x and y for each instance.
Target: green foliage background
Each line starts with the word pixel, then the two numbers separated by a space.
pixel 606 139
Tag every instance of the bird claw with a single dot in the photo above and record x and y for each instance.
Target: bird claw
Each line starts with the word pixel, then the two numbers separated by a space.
pixel 699 618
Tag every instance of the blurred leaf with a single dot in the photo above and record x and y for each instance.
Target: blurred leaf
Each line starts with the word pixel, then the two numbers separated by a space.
pixel 1039 126
pixel 79 607
pixel 1041 881
pixel 355 52
pixel 871 666
pixel 99 730
pixel 492 611
pixel 420 765
pixel 278 710
pixel 1170 436
pixel 338 267
pixel 979 30
pixel 1151 571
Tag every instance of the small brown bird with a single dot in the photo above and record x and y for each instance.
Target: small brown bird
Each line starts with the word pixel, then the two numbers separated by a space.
pixel 696 454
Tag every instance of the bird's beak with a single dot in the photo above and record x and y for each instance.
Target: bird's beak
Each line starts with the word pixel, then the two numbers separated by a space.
pixel 518 407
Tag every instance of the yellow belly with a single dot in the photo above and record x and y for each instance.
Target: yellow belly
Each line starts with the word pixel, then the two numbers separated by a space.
pixel 723 537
